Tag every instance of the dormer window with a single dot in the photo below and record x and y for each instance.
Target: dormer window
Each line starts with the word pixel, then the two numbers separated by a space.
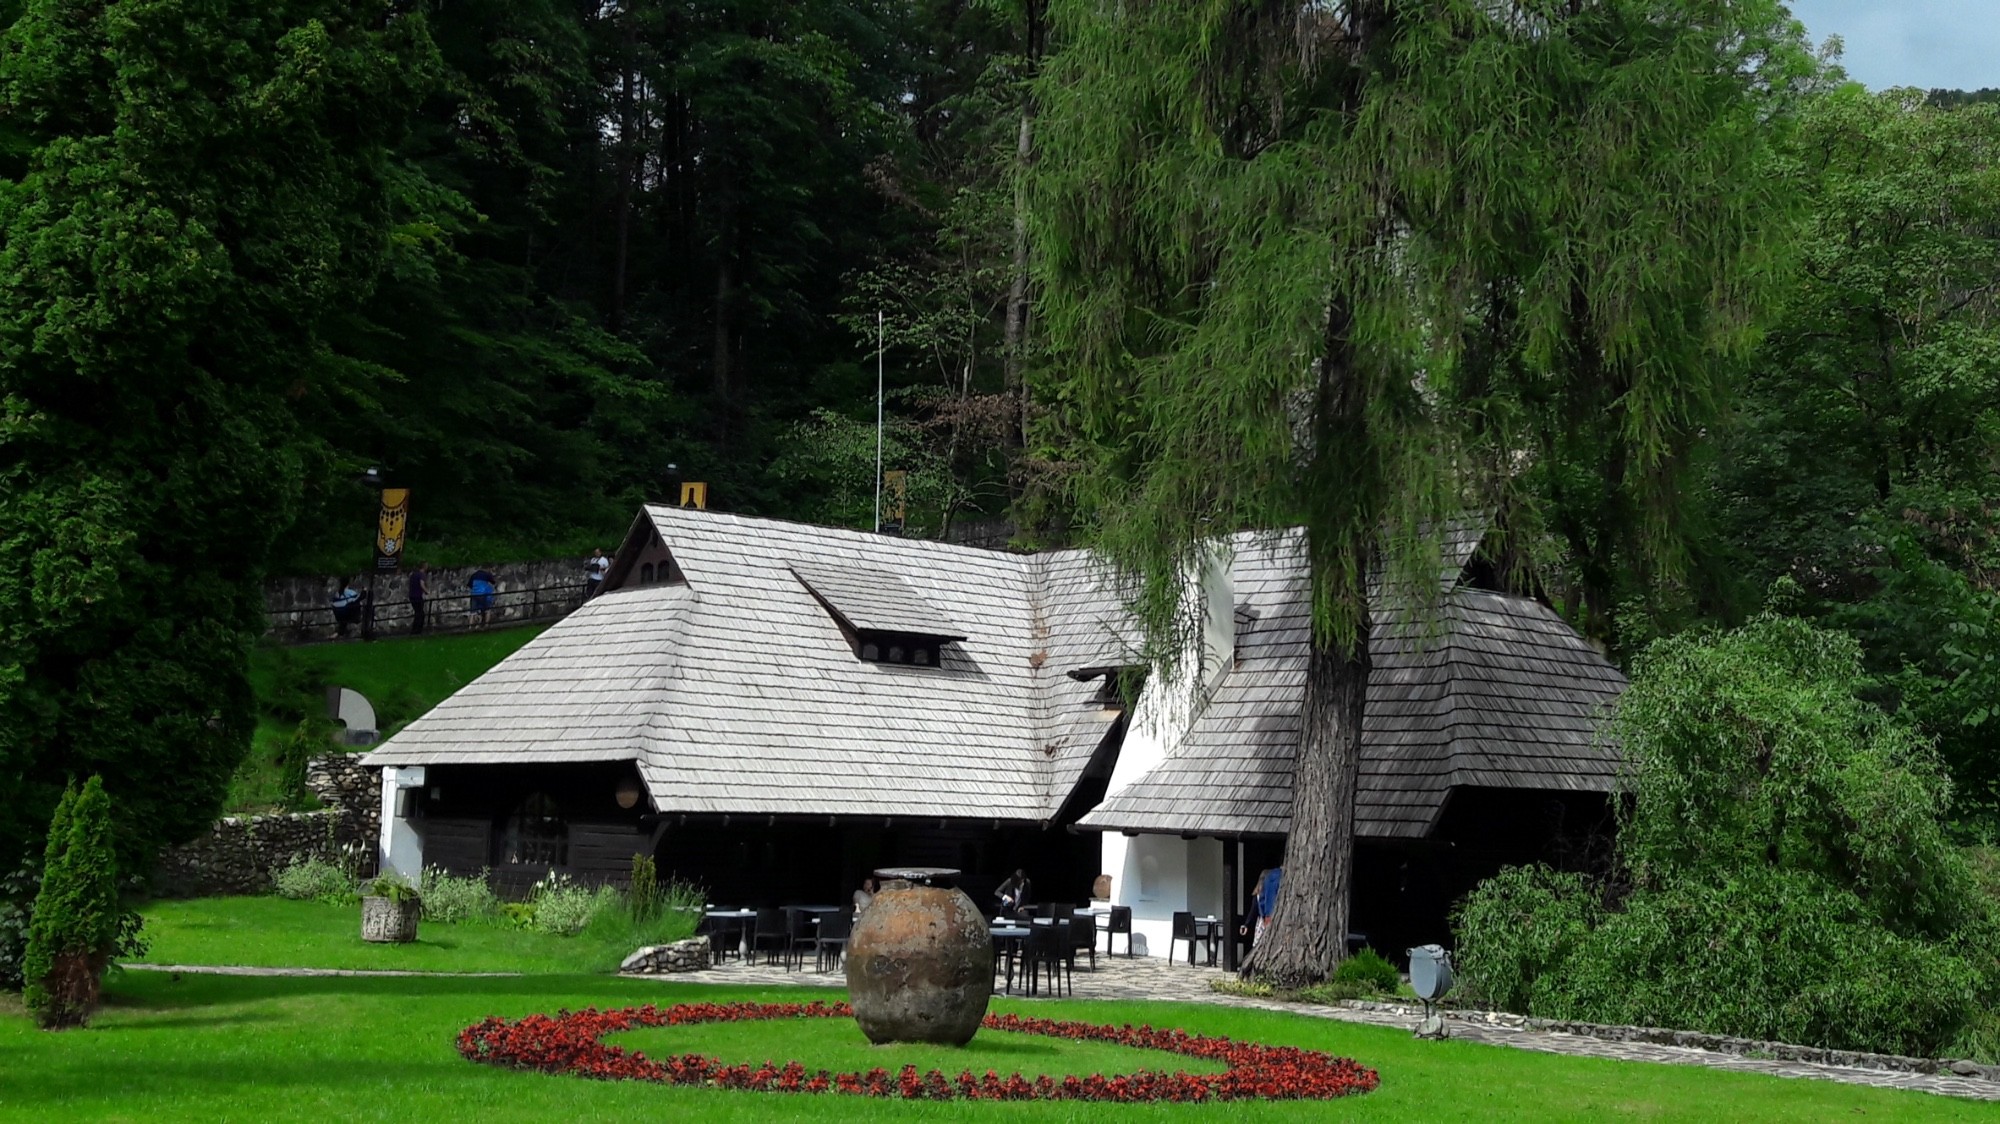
pixel 880 615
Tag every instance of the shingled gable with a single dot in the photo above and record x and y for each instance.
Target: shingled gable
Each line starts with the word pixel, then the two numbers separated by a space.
pixel 1504 694
pixel 743 696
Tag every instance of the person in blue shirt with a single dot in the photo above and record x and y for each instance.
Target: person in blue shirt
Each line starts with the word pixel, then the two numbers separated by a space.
pixel 1267 900
pixel 483 587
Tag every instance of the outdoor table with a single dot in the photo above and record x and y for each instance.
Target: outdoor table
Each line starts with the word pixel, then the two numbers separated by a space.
pixel 1009 938
pixel 744 919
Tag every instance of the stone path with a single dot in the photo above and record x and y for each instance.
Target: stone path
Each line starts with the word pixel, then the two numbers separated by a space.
pixel 238 970
pixel 1152 978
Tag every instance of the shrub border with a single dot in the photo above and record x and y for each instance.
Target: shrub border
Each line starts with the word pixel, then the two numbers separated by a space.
pixel 571 1042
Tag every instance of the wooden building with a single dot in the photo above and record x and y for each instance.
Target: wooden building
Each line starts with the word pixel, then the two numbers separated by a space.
pixel 774 709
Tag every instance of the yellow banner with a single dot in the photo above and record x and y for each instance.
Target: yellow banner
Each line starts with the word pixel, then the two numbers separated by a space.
pixel 391 526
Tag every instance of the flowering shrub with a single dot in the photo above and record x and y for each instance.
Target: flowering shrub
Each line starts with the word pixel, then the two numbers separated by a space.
pixel 571 1042
pixel 317 878
pixel 452 899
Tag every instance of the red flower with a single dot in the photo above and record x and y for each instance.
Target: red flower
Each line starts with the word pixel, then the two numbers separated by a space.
pixel 571 1042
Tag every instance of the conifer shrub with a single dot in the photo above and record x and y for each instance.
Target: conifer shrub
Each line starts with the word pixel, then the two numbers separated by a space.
pixel 1369 970
pixel 77 923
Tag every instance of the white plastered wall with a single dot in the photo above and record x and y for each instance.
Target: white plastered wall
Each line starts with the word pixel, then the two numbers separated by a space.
pixel 400 849
pixel 1158 875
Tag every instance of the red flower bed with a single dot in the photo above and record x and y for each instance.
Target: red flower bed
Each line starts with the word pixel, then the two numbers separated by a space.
pixel 571 1042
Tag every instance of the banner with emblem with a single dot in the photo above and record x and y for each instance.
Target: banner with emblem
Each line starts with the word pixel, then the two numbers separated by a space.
pixel 392 525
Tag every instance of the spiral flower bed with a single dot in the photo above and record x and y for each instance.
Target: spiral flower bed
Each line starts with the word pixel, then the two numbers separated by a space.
pixel 571 1042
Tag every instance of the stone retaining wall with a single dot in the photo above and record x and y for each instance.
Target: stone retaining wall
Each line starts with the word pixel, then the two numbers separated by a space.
pixel 240 853
pixel 296 610
pixel 339 780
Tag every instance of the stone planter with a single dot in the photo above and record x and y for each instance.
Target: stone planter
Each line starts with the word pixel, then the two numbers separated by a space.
pixel 920 966
pixel 385 920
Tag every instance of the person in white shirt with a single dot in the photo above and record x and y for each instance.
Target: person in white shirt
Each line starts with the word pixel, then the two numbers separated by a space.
pixel 594 571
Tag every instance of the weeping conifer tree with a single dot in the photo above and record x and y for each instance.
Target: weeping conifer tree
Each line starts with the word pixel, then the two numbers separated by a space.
pixel 1264 232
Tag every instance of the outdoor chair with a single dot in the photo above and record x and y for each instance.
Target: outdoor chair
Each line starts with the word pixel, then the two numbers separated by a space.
pixel 800 928
pixel 1120 921
pixel 772 934
pixel 1048 947
pixel 1083 938
pixel 1056 911
pixel 1184 930
pixel 830 943
pixel 714 928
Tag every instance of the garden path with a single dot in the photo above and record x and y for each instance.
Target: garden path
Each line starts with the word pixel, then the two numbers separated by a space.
pixel 1152 977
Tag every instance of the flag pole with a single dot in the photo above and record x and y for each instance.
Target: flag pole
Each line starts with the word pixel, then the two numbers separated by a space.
pixel 879 346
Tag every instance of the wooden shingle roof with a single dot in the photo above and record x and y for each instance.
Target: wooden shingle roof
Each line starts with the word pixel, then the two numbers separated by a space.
pixel 737 692
pixel 754 701
pixel 1498 692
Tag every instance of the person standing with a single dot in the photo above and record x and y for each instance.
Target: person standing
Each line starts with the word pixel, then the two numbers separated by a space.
pixel 420 594
pixel 593 573
pixel 1267 900
pixel 344 603
pixel 480 610
pixel 864 895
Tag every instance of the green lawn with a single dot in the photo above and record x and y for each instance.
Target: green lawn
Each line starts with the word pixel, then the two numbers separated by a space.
pixel 426 668
pixel 222 1048
pixel 276 933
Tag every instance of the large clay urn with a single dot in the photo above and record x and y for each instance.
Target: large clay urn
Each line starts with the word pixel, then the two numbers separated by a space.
pixel 919 962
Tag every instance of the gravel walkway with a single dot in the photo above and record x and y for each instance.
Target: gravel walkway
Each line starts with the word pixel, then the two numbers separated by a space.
pixel 237 970
pixel 1152 978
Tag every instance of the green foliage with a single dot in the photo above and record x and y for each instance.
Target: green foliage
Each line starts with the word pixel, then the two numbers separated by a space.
pixel 76 925
pixel 392 886
pixel 452 899
pixel 1770 954
pixel 1785 872
pixel 1859 461
pixel 1335 990
pixel 563 908
pixel 192 188
pixel 646 895
pixel 317 878
pixel 17 911
pixel 1517 929
pixel 1369 970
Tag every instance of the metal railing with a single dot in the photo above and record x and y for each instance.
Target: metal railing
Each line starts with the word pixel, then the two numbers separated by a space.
pixel 448 612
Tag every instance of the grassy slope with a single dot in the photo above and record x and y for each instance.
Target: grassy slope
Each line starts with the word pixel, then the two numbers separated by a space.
pixel 208 1048
pixel 402 677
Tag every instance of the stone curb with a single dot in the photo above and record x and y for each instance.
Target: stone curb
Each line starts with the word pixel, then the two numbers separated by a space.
pixel 1697 1040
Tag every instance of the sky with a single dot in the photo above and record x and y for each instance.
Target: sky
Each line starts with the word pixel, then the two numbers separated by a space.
pixel 1932 44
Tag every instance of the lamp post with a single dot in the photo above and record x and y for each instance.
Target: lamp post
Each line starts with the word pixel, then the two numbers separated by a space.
pixel 374 479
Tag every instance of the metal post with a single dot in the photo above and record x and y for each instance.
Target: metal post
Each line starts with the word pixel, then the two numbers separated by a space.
pixel 880 345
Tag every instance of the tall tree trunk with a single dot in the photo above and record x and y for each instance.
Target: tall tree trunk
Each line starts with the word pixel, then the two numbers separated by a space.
pixel 1308 932
pixel 627 173
pixel 725 297
pixel 1015 339
pixel 1017 294
pixel 1307 936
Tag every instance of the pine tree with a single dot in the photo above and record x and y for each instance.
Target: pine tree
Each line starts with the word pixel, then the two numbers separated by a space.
pixel 76 922
pixel 1264 231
